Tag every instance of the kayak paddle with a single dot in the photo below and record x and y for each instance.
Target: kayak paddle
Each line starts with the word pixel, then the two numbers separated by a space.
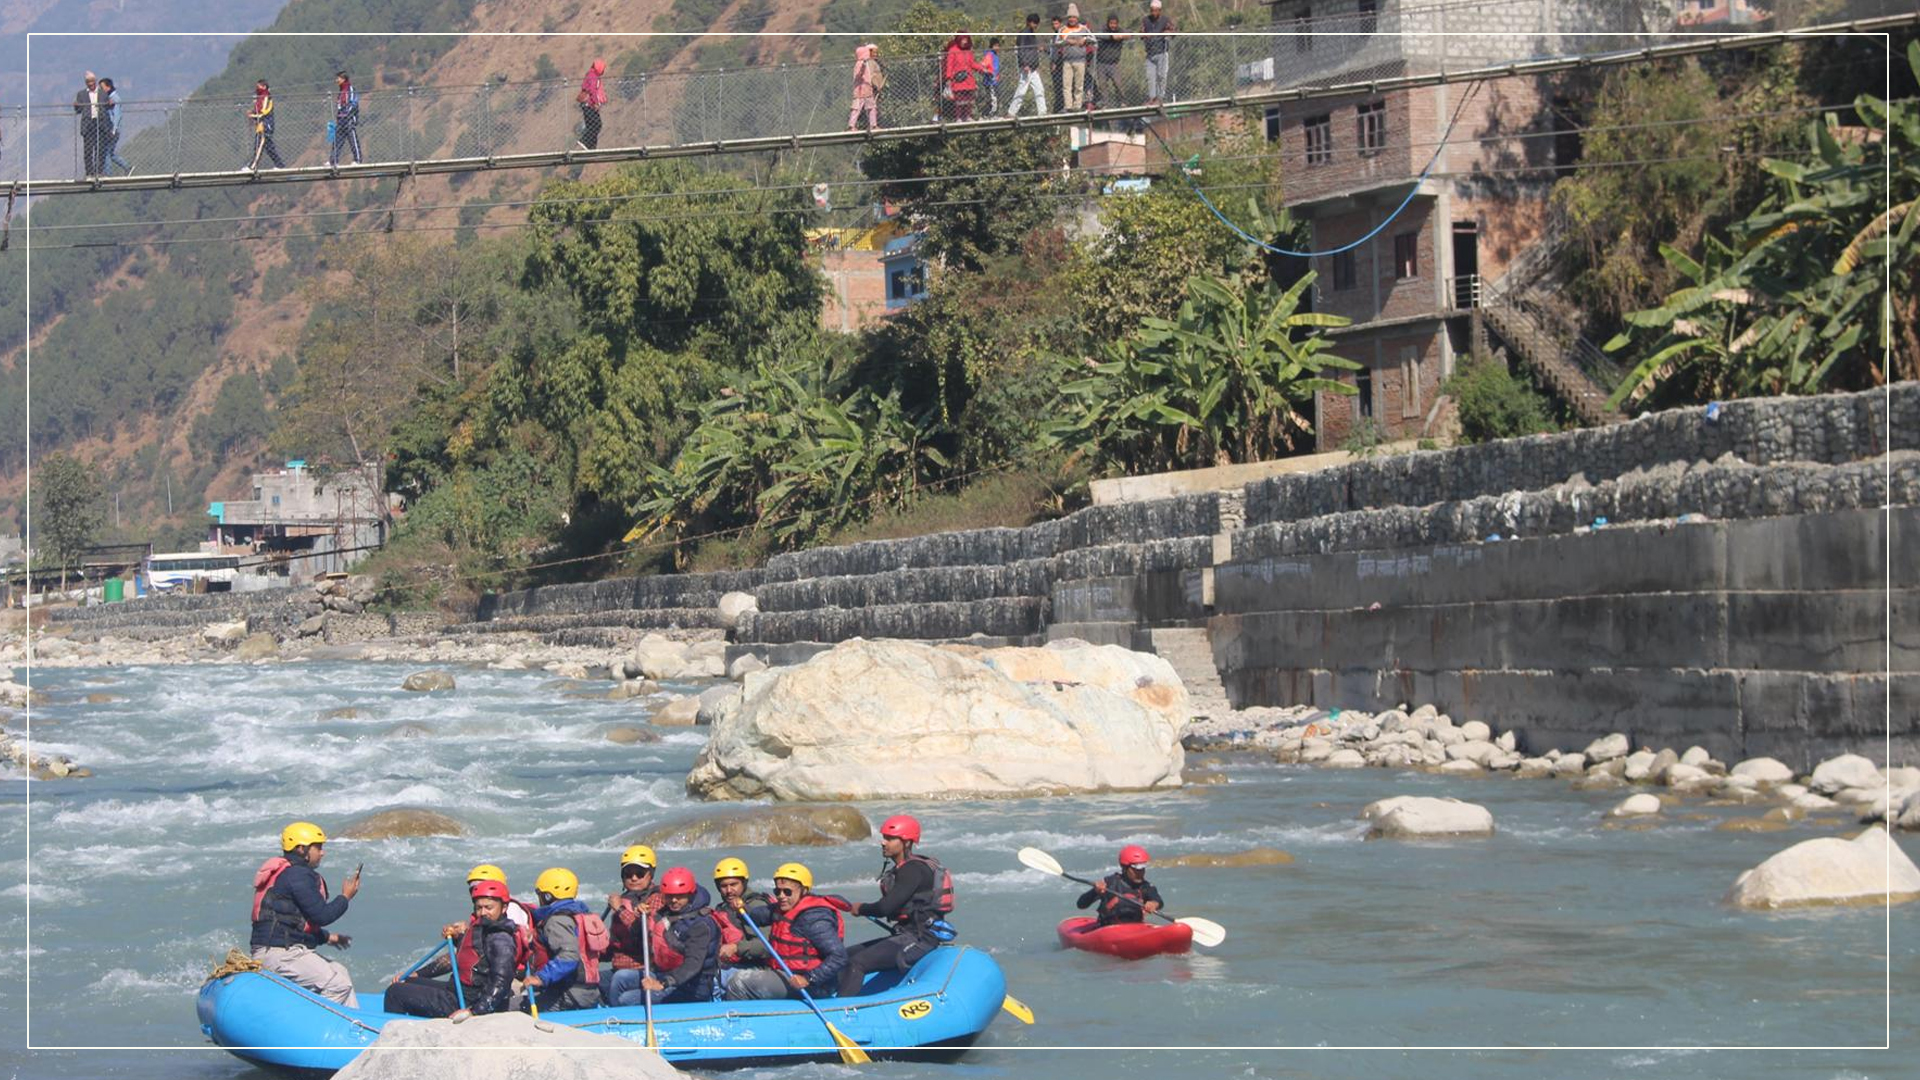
pixel 1205 931
pixel 1017 1009
pixel 850 1051
pixel 646 969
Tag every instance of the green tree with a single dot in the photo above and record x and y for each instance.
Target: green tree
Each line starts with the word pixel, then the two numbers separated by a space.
pixel 1796 299
pixel 1493 404
pixel 1222 382
pixel 237 420
pixel 67 512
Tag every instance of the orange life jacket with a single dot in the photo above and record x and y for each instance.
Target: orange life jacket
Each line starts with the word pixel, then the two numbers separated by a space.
pixel 467 955
pixel 798 952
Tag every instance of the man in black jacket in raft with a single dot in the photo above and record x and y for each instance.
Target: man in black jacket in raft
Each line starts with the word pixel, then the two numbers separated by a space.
pixel 1125 897
pixel 492 950
pixel 916 893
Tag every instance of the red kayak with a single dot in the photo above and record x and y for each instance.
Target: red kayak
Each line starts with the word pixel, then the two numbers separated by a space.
pixel 1128 941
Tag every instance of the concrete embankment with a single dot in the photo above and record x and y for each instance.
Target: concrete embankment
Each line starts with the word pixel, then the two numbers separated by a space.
pixel 1714 576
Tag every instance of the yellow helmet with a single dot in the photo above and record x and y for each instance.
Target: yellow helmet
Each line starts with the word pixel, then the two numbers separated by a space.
pixel 557 882
pixel 639 854
pixel 299 833
pixel 486 871
pixel 793 871
pixel 730 867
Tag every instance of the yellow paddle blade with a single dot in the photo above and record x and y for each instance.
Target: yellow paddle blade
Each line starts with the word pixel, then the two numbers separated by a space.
pixel 1017 1009
pixel 850 1051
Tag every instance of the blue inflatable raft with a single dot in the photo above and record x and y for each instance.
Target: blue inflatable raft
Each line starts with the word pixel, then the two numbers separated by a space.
pixel 933 1010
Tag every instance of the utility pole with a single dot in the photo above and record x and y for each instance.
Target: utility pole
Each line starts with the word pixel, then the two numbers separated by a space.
pixel 169 492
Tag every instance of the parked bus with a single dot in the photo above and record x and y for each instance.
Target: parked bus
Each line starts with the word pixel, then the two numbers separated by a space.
pixel 179 570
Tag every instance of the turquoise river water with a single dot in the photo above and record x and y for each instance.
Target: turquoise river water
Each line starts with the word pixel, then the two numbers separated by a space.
pixel 1557 948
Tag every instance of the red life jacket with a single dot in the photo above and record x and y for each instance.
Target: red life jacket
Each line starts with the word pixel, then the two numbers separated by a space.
pixel 928 903
pixel 264 878
pixel 665 957
pixel 468 954
pixel 729 933
pixel 592 935
pixel 798 952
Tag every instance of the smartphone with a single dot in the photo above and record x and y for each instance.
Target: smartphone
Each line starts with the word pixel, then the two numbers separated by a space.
pixel 357 868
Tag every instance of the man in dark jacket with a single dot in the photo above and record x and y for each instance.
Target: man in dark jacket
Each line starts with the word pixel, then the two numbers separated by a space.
pixel 90 105
pixel 491 951
pixel 740 947
pixel 915 892
pixel 685 944
pixel 1026 57
pixel 1125 897
pixel 808 935
pixel 291 911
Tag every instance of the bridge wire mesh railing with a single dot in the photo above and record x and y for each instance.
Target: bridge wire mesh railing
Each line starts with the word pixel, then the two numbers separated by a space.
pixel 672 108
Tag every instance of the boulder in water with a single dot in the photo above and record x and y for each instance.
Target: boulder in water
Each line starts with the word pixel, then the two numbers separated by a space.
pixel 577 672
pixel 1830 871
pixel 428 681
pixel 1635 806
pixel 400 823
pixel 658 658
pixel 901 719
pixel 102 699
pixel 258 646
pixel 500 1046
pixel 744 664
pixel 627 735
pixel 713 700
pixel 1845 771
pixel 224 635
pixel 1260 856
pixel 1751 824
pixel 1607 747
pixel 680 712
pixel 1414 817
pixel 772 826
pixel 1764 770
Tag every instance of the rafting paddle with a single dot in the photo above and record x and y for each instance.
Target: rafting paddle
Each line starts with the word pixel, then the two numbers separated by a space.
pixel 1205 931
pixel 1017 1009
pixel 850 1051
pixel 453 961
pixel 646 969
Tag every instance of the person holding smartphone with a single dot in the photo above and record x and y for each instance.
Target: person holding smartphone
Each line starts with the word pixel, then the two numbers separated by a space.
pixel 291 911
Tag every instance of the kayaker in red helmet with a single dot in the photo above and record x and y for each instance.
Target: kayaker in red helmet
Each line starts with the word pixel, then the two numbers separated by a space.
pixel 1126 896
pixel 916 895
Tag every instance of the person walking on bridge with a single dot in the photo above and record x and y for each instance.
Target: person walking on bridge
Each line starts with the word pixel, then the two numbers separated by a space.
pixel 346 119
pixel 90 106
pixel 867 82
pixel 1026 59
pixel 110 133
pixel 592 95
pixel 1156 33
pixel 262 116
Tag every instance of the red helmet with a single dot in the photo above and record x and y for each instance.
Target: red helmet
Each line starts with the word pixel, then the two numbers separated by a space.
pixel 484 887
pixel 677 882
pixel 1134 855
pixel 902 826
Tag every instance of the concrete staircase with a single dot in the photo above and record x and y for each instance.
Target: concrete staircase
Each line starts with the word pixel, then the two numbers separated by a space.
pixel 1191 654
pixel 1565 366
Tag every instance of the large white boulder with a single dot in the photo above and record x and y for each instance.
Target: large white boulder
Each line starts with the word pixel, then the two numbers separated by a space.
pixel 1476 731
pixel 905 720
pixel 1607 747
pixel 657 658
pixel 735 604
pixel 1416 817
pixel 1636 806
pixel 1830 871
pixel 222 635
pixel 1845 771
pixel 1764 770
pixel 503 1045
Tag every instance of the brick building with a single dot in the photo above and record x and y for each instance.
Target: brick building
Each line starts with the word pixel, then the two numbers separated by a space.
pixel 1357 164
pixel 870 272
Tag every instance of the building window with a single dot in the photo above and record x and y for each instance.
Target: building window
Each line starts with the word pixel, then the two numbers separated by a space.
pixel 1410 381
pixel 1343 275
pixel 276 500
pixel 1273 125
pixel 1363 379
pixel 1369 16
pixel 905 284
pixel 1303 29
pixel 1370 127
pixel 1406 256
pixel 1319 138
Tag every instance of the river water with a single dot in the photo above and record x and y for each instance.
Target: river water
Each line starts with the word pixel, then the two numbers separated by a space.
pixel 1557 932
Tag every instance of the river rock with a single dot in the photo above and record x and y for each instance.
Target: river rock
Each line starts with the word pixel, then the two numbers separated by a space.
pixel 1474 750
pixel 714 699
pixel 1459 767
pixel 1447 736
pixel 1662 761
pixel 1751 825
pixel 1807 800
pixel 1476 731
pixel 1508 742
pixel 735 604
pixel 1393 721
pixel 401 823
pixel 1418 817
pixel 1696 756
pixel 1845 771
pixel 1764 770
pixel 1638 766
pixel 680 712
pixel 901 719
pixel 428 681
pixel 499 1047
pixel 1635 806
pixel 1909 819
pixel 221 635
pixel 1345 758
pixel 627 735
pixel 1607 747
pixel 632 688
pixel 767 826
pixel 102 699
pixel 1533 768
pixel 1829 870
pixel 658 658
pixel 345 712
pixel 743 665
pixel 509 663
pixel 1260 856
pixel 258 646
pixel 1570 765
pixel 577 672
pixel 1685 776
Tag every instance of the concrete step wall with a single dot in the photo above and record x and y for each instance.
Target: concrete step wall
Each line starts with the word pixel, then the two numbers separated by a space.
pixel 1758 637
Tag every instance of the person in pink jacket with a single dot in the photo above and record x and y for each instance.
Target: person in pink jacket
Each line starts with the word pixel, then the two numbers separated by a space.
pixel 960 68
pixel 592 95
pixel 866 88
